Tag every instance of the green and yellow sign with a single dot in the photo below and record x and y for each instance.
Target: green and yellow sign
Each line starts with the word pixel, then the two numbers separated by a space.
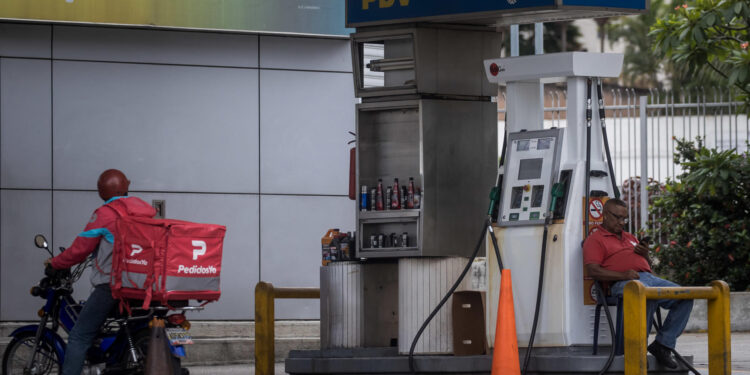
pixel 289 16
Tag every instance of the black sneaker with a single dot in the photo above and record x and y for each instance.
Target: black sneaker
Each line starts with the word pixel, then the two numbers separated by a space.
pixel 662 354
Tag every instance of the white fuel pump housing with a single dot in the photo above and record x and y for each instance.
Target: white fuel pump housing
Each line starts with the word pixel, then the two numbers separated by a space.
pixel 564 319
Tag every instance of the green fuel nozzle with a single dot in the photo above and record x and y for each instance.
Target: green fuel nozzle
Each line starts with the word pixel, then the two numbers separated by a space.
pixel 558 191
pixel 494 199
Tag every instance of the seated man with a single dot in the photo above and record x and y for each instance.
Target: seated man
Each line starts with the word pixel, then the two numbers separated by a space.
pixel 611 254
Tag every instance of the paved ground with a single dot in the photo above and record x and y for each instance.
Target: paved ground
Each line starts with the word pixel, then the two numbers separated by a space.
pixel 689 343
pixel 697 345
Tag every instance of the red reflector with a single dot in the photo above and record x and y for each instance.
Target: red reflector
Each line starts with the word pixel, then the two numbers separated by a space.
pixel 176 319
pixel 494 69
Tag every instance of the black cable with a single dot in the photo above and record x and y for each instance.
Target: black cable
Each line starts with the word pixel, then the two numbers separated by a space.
pixel 685 362
pixel 530 347
pixel 502 153
pixel 588 192
pixel 488 225
pixel 497 250
pixel 612 335
pixel 602 118
pixel 434 312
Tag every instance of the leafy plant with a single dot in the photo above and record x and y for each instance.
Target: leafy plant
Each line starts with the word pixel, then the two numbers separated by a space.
pixel 641 66
pixel 708 35
pixel 706 215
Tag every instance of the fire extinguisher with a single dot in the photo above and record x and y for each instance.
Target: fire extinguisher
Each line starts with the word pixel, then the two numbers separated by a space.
pixel 353 169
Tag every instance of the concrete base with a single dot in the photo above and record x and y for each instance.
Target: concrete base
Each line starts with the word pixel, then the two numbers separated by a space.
pixel 558 361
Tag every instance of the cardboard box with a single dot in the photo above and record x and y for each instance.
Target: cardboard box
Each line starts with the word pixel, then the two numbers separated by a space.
pixel 468 323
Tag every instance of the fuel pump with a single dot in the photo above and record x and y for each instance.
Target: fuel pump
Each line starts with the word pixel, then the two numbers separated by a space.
pixel 551 168
pixel 545 181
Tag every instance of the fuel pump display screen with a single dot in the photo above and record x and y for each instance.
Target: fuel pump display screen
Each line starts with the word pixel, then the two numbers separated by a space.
pixel 532 164
pixel 530 169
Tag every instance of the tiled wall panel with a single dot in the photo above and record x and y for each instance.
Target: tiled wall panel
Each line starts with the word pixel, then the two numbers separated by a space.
pixel 23 214
pixel 25 115
pixel 291 229
pixel 170 128
pixel 305 54
pixel 155 46
pixel 305 120
pixel 25 40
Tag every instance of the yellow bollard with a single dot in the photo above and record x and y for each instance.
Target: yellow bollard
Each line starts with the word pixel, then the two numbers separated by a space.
pixel 634 325
pixel 719 339
pixel 719 336
pixel 265 347
pixel 264 325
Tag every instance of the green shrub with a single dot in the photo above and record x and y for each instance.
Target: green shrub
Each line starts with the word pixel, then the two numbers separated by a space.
pixel 705 216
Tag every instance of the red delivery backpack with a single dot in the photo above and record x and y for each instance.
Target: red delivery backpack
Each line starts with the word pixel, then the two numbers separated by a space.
pixel 166 260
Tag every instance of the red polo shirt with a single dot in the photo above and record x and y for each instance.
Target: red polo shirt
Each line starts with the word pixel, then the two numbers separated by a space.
pixel 612 253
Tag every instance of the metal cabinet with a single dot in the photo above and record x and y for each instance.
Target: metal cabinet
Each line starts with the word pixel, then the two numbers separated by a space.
pixel 449 148
pixel 423 60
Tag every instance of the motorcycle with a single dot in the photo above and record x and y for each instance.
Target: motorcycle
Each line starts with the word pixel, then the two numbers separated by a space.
pixel 120 347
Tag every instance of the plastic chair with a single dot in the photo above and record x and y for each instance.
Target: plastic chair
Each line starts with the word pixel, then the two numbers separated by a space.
pixel 607 301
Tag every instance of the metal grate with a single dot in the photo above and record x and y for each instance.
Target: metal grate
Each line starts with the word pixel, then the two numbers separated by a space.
pixel 642 137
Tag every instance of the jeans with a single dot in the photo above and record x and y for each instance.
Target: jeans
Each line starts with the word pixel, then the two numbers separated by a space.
pixel 679 309
pixel 92 316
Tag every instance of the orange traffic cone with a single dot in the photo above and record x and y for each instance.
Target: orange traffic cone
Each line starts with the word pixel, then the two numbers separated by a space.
pixel 505 355
pixel 159 357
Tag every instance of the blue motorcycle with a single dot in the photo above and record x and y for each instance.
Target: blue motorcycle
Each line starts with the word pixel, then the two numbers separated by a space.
pixel 119 348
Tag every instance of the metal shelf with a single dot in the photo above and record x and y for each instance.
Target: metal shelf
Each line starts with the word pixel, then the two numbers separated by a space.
pixel 377 249
pixel 390 214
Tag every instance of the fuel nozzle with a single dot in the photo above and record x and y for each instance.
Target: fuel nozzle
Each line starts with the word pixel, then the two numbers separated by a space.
pixel 494 200
pixel 558 191
pixel 492 211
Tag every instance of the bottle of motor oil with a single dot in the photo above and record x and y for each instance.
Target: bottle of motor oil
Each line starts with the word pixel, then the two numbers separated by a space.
pixel 345 244
pixel 325 244
pixel 396 197
pixel 336 248
pixel 379 196
pixel 373 201
pixel 411 192
pixel 363 200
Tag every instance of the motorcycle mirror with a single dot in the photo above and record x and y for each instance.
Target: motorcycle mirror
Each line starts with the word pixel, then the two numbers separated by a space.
pixel 40 241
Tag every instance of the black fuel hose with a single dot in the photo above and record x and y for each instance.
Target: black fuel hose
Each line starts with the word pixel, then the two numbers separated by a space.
pixel 685 362
pixel 588 156
pixel 434 312
pixel 540 286
pixel 487 225
pixel 611 357
pixel 602 118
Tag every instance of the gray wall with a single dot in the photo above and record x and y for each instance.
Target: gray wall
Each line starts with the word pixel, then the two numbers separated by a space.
pixel 248 131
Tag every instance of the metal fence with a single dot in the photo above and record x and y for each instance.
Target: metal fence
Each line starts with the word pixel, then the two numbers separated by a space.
pixel 643 127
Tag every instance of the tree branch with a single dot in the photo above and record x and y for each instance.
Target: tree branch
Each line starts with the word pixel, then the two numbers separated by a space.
pixel 717 70
pixel 742 88
pixel 733 28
